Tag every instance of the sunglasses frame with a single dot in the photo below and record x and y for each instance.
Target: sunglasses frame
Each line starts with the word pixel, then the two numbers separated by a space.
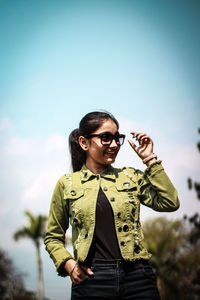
pixel 110 136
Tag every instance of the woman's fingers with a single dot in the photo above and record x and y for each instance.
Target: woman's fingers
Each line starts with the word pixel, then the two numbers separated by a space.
pixel 145 147
pixel 140 136
pixel 134 146
pixel 87 270
pixel 77 272
pixel 78 275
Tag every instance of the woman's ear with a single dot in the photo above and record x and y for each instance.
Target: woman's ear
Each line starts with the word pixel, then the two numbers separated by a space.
pixel 83 142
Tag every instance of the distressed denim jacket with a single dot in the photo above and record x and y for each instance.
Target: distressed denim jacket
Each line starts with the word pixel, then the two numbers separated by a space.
pixel 74 200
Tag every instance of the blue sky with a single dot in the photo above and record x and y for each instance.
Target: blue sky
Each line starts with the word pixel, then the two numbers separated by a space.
pixel 139 60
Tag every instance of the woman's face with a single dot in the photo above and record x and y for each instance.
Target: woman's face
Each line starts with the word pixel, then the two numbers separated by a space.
pixel 98 156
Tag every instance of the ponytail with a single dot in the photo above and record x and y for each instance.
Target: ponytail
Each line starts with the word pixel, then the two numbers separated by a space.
pixel 77 153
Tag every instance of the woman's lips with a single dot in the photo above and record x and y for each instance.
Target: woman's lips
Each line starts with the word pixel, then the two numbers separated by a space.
pixel 111 153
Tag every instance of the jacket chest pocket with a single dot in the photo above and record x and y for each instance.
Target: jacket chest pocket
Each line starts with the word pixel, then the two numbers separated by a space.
pixel 74 197
pixel 128 192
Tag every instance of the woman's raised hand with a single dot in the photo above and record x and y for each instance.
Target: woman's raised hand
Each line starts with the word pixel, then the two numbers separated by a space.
pixel 145 147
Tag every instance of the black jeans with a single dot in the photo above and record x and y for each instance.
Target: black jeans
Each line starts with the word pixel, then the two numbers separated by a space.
pixel 118 280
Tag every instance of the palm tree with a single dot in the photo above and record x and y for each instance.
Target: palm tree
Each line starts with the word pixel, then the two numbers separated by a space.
pixel 35 230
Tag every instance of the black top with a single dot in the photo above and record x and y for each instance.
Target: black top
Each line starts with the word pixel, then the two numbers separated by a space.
pixel 105 243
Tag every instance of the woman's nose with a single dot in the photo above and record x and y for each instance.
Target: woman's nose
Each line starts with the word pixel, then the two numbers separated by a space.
pixel 113 144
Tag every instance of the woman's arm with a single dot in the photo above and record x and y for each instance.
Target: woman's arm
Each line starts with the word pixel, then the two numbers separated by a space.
pixel 58 223
pixel 156 189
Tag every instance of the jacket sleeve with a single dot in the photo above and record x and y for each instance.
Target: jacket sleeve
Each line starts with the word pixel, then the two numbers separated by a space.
pixel 58 223
pixel 156 189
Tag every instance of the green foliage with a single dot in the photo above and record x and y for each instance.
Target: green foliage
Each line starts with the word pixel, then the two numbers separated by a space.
pixel 175 259
pixel 197 189
pixel 11 281
pixel 163 238
pixel 189 183
pixel 195 228
pixel 198 144
pixel 195 185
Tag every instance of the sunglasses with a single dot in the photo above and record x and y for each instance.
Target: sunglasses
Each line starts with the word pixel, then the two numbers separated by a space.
pixel 107 138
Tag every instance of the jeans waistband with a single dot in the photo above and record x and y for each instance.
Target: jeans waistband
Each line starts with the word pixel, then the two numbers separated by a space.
pixel 119 262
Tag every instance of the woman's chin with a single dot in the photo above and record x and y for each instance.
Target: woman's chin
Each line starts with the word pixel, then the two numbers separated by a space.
pixel 110 160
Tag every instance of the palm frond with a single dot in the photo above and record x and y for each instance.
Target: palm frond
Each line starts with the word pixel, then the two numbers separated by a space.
pixel 30 215
pixel 22 233
pixel 35 228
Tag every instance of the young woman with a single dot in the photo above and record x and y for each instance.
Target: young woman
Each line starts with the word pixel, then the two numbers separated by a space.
pixel 102 204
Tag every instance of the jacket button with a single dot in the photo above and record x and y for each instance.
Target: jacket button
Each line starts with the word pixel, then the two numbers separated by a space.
pixel 105 188
pixel 122 243
pixel 119 229
pixel 86 175
pixel 118 214
pixel 73 193
pixel 126 184
pixel 86 236
pixel 126 228
pixel 137 249
pixel 112 199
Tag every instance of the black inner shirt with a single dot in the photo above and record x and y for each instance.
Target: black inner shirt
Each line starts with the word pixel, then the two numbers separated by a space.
pixel 105 244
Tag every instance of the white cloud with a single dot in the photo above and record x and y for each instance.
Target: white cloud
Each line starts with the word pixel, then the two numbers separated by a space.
pixel 37 190
pixel 18 146
pixel 5 124
pixel 4 210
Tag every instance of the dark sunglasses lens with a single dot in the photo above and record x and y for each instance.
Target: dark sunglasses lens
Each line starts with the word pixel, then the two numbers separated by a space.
pixel 106 139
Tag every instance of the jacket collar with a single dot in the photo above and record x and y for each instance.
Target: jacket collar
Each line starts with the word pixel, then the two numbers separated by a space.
pixel 86 174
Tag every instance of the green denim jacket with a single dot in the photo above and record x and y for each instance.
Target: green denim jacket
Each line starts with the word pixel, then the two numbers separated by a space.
pixel 74 200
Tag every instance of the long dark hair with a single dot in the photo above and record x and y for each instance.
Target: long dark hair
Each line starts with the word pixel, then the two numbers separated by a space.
pixel 89 124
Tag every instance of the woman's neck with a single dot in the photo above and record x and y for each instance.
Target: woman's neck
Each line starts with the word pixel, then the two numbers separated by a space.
pixel 96 168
